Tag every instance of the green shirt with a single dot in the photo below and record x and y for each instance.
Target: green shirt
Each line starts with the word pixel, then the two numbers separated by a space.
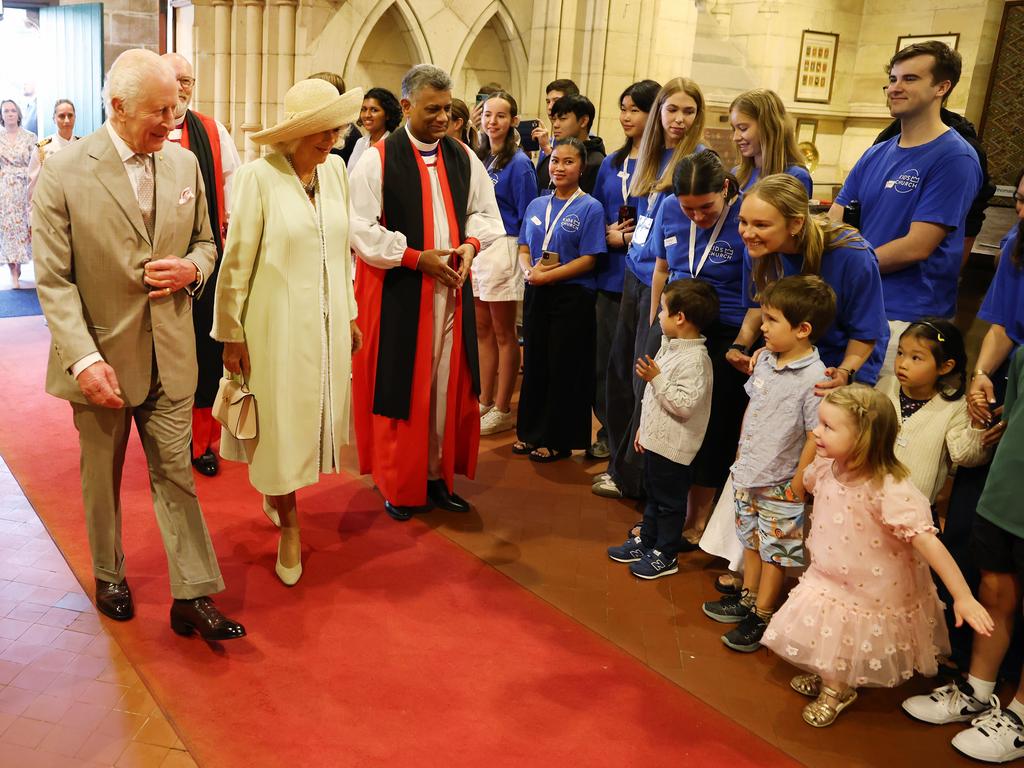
pixel 1001 502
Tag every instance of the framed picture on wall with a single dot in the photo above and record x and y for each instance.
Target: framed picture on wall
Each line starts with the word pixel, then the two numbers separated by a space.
pixel 952 39
pixel 806 129
pixel 816 67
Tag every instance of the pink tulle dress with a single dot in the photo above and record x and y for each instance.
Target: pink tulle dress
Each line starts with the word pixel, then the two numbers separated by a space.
pixel 865 612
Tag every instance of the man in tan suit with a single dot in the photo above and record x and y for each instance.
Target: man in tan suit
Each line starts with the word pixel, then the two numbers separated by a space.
pixel 122 242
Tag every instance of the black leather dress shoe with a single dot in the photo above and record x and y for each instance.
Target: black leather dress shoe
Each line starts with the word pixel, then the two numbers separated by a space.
pixel 201 615
pixel 207 464
pixel 399 513
pixel 440 496
pixel 114 600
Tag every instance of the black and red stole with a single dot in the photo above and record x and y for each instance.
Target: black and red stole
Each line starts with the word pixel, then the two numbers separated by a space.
pixel 407 209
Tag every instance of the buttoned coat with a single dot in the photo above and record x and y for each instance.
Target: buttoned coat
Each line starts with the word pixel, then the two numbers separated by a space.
pixel 91 245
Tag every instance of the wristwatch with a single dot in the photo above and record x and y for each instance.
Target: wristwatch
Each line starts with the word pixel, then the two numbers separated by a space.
pixel 979 372
pixel 740 348
pixel 849 372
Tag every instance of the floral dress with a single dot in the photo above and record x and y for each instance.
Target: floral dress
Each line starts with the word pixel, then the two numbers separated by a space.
pixel 865 612
pixel 15 156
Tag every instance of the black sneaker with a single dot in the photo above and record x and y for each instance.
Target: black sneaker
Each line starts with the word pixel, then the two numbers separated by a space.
pixel 746 636
pixel 728 610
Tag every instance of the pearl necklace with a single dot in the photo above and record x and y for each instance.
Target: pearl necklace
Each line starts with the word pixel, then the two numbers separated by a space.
pixel 310 188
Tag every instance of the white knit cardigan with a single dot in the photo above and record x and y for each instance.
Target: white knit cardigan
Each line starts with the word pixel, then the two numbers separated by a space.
pixel 935 437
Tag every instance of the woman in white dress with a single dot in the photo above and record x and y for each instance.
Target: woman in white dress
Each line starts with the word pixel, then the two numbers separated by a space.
pixel 285 308
pixel 64 119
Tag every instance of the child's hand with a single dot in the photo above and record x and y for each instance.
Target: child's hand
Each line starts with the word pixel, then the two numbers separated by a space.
pixel 974 613
pixel 636 443
pixel 646 368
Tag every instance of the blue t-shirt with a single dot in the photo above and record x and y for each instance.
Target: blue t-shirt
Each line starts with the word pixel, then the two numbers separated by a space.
pixel 852 272
pixel 724 266
pixel 1004 302
pixel 935 183
pixel 579 232
pixel 515 186
pixel 798 172
pixel 611 266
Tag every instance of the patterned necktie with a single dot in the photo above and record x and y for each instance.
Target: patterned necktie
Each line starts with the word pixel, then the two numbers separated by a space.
pixel 146 191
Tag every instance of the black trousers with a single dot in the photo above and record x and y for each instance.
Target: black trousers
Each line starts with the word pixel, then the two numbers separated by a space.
pixel 624 388
pixel 668 484
pixel 557 393
pixel 606 313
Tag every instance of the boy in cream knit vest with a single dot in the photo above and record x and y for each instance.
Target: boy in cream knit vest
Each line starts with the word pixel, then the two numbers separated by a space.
pixel 673 419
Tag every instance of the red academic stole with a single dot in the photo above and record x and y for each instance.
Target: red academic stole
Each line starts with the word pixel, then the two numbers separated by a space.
pixel 200 135
pixel 392 375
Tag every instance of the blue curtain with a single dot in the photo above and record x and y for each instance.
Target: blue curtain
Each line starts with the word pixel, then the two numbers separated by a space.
pixel 71 38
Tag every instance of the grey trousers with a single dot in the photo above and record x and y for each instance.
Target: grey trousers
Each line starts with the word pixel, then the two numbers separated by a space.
pixel 165 427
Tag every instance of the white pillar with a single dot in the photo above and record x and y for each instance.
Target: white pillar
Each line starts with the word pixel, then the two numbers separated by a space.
pixel 253 74
pixel 222 61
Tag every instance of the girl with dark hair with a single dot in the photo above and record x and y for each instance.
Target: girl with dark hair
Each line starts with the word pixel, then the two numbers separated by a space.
pixel 928 394
pixel 379 116
pixel 674 131
pixel 497 277
pixel 612 191
pixel 697 235
pixel 562 233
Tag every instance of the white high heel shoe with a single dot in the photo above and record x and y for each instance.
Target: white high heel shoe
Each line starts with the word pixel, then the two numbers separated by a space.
pixel 290 576
pixel 271 513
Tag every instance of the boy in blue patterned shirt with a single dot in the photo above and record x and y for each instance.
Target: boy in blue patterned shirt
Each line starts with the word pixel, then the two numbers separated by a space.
pixel 775 447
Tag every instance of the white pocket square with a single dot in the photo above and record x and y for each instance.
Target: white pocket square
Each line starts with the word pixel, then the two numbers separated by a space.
pixel 186 195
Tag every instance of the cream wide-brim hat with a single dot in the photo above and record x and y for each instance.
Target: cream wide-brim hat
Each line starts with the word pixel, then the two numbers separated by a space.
pixel 312 106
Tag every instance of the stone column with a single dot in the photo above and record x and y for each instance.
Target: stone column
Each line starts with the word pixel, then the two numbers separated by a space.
pixel 285 52
pixel 222 61
pixel 253 58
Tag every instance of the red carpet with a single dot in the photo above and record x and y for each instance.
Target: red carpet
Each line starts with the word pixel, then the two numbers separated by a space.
pixel 396 644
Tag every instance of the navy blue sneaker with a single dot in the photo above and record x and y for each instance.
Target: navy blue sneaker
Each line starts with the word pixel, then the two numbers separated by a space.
pixel 654 565
pixel 746 636
pixel 630 552
pixel 731 609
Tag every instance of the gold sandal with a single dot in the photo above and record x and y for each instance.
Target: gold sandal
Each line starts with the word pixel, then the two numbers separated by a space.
pixel 820 713
pixel 808 685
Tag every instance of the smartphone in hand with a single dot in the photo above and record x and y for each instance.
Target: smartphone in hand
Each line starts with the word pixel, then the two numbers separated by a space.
pixel 526 140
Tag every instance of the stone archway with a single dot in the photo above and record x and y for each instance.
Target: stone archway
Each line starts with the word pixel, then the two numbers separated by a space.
pixel 387 45
pixel 493 51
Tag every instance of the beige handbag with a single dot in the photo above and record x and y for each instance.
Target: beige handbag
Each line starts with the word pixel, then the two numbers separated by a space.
pixel 235 408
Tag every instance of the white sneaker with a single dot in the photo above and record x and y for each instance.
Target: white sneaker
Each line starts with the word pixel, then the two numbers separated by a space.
pixel 495 421
pixel 953 703
pixel 606 488
pixel 485 408
pixel 995 737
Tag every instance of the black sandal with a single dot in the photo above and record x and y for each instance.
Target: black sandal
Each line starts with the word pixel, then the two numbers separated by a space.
pixel 540 458
pixel 519 448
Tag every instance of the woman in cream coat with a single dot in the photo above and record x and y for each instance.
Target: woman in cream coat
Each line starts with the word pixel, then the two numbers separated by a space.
pixel 285 308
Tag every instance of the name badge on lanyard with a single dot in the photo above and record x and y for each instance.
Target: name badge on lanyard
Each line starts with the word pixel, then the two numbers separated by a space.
pixel 550 225
pixel 643 226
pixel 711 240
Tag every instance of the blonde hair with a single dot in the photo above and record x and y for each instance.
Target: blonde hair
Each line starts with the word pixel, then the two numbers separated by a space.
pixel 652 143
pixel 877 426
pixel 817 234
pixel 779 149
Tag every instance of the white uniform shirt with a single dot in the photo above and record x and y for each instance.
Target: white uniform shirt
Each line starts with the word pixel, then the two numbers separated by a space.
pixel 52 147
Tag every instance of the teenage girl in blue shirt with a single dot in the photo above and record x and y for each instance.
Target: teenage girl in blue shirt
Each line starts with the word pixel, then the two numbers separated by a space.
pixel 673 132
pixel 497 278
pixel 561 236
pixel 782 238
pixel 698 236
pixel 765 139
pixel 612 191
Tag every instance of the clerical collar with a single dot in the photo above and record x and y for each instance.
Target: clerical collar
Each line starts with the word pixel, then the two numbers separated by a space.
pixel 423 147
pixel 181 123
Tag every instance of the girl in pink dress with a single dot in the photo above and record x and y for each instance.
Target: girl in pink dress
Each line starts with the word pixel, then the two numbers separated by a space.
pixel 865 612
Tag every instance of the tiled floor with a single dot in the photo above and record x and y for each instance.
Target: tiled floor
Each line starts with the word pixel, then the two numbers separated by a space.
pixel 68 696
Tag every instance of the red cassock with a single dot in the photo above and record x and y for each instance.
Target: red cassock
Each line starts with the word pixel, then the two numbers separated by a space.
pixel 394 451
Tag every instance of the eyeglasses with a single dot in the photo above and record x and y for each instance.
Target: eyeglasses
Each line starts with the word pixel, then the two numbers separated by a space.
pixel 188 82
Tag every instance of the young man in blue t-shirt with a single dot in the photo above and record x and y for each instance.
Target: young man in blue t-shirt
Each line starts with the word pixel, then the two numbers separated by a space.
pixel 915 190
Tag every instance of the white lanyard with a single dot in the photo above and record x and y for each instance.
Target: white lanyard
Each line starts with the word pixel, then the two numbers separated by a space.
pixel 550 225
pixel 711 240
pixel 494 161
pixel 624 175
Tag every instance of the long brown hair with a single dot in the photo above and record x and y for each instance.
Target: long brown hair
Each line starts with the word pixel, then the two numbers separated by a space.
pixel 461 111
pixel 511 144
pixel 877 425
pixel 817 235
pixel 646 179
pixel 779 149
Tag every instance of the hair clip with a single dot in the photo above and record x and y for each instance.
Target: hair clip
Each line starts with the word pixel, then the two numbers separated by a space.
pixel 938 333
